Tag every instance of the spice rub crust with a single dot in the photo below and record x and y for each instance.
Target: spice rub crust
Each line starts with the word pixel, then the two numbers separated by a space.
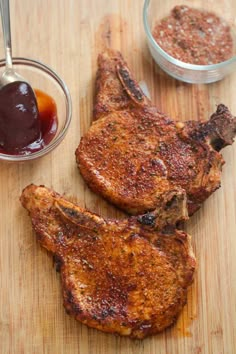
pixel 119 276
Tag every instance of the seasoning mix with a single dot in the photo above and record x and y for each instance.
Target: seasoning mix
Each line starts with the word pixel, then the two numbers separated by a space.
pixel 194 36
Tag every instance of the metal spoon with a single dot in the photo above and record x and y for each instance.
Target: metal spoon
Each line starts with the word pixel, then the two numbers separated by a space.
pixel 9 75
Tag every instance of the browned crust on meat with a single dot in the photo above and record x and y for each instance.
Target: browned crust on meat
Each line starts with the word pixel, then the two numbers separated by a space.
pixel 133 153
pixel 113 94
pixel 132 158
pixel 117 276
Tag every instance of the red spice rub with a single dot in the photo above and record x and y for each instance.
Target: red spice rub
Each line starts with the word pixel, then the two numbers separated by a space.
pixel 194 36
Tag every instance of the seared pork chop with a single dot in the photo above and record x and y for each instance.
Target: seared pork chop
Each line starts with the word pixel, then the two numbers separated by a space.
pixel 133 153
pixel 120 276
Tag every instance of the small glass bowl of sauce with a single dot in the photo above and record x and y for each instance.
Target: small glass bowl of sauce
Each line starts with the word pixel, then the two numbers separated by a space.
pixel 54 112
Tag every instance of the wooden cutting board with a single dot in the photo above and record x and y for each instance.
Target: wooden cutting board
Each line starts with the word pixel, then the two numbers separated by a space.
pixel 67 35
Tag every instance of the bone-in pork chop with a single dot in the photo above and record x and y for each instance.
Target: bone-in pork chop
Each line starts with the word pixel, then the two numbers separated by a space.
pixel 133 154
pixel 120 276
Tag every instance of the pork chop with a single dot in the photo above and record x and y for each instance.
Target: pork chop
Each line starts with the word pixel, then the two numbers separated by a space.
pixel 133 153
pixel 128 277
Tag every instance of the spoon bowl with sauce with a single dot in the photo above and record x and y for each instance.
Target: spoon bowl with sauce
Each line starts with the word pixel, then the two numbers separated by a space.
pixel 18 105
pixel 54 109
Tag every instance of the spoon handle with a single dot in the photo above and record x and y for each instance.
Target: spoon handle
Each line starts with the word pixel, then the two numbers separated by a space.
pixel 6 27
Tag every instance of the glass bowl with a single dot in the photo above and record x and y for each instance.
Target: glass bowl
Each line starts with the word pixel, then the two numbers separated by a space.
pixel 41 77
pixel 155 10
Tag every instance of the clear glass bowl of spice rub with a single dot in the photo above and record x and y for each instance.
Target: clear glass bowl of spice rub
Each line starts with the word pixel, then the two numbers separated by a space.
pixel 18 121
pixel 193 43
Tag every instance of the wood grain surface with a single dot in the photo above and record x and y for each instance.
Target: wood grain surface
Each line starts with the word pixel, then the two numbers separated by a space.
pixel 67 35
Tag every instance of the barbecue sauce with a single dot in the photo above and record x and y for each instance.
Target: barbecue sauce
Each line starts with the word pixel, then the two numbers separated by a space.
pixel 27 124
